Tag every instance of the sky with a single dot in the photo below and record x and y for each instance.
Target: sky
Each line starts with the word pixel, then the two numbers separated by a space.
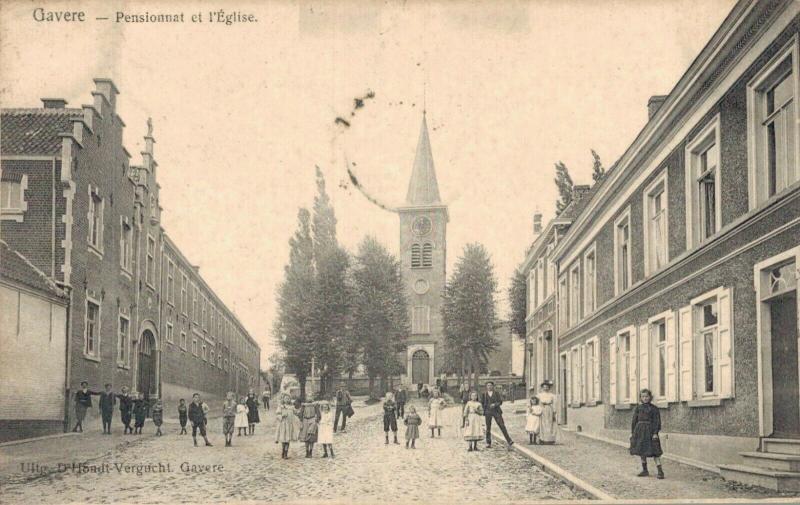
pixel 243 113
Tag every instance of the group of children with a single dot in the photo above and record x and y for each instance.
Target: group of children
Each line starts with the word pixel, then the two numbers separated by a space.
pixel 131 407
pixel 308 422
pixel 411 419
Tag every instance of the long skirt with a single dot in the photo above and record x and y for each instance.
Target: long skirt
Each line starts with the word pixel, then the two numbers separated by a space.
pixel 642 442
pixel 412 432
pixel 308 432
pixel 325 434
pixel 474 430
pixel 284 431
pixel 547 429
pixel 533 424
pixel 252 414
pixel 80 411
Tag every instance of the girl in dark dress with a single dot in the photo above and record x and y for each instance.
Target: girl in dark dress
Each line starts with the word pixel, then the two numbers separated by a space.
pixel 252 412
pixel 139 414
pixel 645 425
pixel 125 409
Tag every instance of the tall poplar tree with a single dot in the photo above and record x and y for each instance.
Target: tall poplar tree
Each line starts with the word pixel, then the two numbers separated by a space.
pixel 564 184
pixel 598 170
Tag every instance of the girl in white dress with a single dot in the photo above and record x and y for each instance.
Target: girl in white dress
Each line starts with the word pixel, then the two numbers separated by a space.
pixel 240 421
pixel 436 406
pixel 325 428
pixel 473 421
pixel 533 420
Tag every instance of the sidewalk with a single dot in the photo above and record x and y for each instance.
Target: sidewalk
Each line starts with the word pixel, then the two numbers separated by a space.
pixel 611 469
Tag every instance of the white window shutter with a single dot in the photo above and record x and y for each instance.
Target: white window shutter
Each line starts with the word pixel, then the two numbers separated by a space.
pixel 644 357
pixel 633 358
pixel 725 344
pixel 570 378
pixel 584 367
pixel 686 352
pixel 596 372
pixel 671 361
pixel 612 370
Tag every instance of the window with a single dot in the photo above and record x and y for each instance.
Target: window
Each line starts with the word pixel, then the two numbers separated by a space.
pixel 150 266
pixel 123 341
pixel 532 302
pixel 12 197
pixel 184 294
pixel 203 313
pixel 92 330
pixel 212 358
pixel 153 207
pixel 574 295
pixel 703 195
pixel 421 319
pixel 706 347
pixel 590 281
pixel 205 353
pixel 416 256
pixel 592 370
pixel 541 287
pixel 169 333
pixel 772 116
pixel 576 381
pixel 427 255
pixel 170 282
pixel 622 252
pixel 563 305
pixel 194 346
pixel 211 320
pixel 195 311
pixel 656 222
pixel 623 359
pixel 95 218
pixel 125 244
pixel 183 340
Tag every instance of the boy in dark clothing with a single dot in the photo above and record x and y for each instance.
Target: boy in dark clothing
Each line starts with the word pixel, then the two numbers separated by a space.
pixel 125 409
pixel 400 398
pixel 107 400
pixel 139 414
pixel 83 402
pixel 390 417
pixel 182 416
pixel 198 419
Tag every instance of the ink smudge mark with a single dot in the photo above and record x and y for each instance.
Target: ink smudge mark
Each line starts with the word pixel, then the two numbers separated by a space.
pixel 358 102
pixel 363 191
pixel 342 121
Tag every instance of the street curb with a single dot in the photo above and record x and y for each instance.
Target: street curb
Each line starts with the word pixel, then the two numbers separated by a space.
pixel 36 439
pixel 558 472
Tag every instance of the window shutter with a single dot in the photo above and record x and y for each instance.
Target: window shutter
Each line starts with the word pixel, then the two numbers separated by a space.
pixel 725 345
pixel 612 370
pixel 644 357
pixel 584 367
pixel 570 376
pixel 633 357
pixel 596 372
pixel 672 362
pixel 686 353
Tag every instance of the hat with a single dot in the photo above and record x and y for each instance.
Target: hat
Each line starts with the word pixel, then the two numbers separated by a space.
pixel 84 383
pixel 547 382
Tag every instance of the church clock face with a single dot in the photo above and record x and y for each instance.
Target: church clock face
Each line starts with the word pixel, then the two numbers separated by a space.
pixel 422 225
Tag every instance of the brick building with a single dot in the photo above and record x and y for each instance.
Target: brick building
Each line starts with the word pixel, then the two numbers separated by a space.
pixel 679 274
pixel 88 219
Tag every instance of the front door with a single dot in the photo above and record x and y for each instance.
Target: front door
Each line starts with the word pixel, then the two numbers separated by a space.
pixel 147 366
pixel 564 372
pixel 420 367
pixel 785 380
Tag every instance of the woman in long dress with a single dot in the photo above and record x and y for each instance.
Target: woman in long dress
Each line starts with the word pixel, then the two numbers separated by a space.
pixel 473 421
pixel 547 430
pixel 435 407
pixel 285 428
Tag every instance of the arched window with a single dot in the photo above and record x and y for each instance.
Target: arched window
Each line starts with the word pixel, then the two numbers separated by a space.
pixel 416 256
pixel 427 255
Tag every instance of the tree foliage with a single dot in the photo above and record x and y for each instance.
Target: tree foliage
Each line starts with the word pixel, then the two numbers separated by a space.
pixel 468 311
pixel 380 322
pixel 518 298
pixel 565 185
pixel 598 170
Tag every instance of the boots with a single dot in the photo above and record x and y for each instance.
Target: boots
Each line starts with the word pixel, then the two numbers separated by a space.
pixel 331 447
pixel 407 444
pixel 440 431
pixel 395 438
pixel 387 439
pixel 325 450
pixel 660 474
pixel 195 441
pixel 432 431
pixel 412 444
pixel 644 472
pixel 208 444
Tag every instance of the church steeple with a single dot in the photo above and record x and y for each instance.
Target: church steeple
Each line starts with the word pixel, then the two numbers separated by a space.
pixel 423 189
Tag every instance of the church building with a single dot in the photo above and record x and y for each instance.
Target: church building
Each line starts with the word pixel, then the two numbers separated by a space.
pixel 423 252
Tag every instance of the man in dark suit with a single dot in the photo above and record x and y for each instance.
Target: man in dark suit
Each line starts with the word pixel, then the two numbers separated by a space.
pixel 400 398
pixel 491 401
pixel 343 405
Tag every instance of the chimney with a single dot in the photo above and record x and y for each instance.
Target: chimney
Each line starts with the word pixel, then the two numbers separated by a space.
pixel 106 89
pixel 579 190
pixel 655 103
pixel 53 103
pixel 537 223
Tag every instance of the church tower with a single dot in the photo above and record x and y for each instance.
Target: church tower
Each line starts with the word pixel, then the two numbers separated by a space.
pixel 423 249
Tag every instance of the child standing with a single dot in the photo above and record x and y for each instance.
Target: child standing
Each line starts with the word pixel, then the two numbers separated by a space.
pixel 240 422
pixel 206 409
pixel 473 421
pixel 125 410
pixel 198 419
pixel 645 425
pixel 182 416
pixel 252 412
pixel 533 420
pixel 309 416
pixel 390 417
pixel 158 416
pixel 139 413
pixel 284 430
pixel 229 414
pixel 107 400
pixel 412 422
pixel 435 407
pixel 325 435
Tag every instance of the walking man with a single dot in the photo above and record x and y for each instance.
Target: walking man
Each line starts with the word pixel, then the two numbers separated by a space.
pixel 400 399
pixel 491 401
pixel 343 406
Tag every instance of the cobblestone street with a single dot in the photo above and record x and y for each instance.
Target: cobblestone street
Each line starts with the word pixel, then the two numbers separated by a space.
pixel 365 470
